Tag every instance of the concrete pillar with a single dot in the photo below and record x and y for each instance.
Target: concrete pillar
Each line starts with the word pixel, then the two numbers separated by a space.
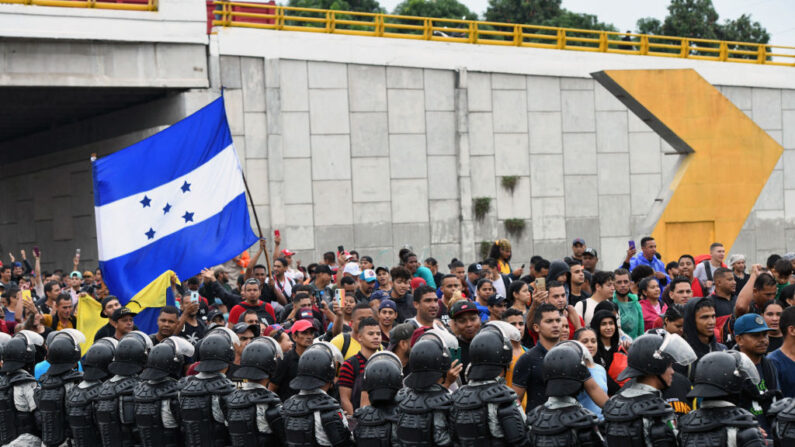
pixel 462 152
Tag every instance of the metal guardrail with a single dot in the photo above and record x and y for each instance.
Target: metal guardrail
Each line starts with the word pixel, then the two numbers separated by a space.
pixel 126 5
pixel 286 18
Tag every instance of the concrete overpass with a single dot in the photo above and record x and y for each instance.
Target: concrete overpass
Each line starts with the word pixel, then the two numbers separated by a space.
pixel 362 141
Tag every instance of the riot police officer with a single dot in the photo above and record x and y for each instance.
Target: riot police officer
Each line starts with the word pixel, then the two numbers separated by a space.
pixel 637 415
pixel 63 353
pixel 424 404
pixel 561 420
pixel 783 414
pixel 485 410
pixel 18 388
pixel 115 407
pixel 155 396
pixel 254 412
pixel 720 378
pixel 382 379
pixel 81 400
pixel 316 371
pixel 201 397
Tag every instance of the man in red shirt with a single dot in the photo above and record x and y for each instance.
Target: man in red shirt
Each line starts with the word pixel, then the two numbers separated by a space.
pixel 250 294
pixel 687 266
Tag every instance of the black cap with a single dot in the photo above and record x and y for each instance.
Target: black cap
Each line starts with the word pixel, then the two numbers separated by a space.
pixel 474 268
pixel 590 251
pixel 461 307
pixel 323 268
pixel 105 302
pixel 120 312
pixel 241 327
pixel 213 314
pixel 399 333
pixel 495 300
pixel 381 268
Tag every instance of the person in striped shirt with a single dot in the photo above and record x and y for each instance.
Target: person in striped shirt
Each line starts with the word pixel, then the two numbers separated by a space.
pixel 351 371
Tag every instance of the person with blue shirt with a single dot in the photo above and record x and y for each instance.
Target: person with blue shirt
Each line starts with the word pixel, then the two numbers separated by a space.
pixel 784 357
pixel 647 256
pixel 587 337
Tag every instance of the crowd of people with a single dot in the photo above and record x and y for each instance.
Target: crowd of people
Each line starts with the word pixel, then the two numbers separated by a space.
pixel 698 351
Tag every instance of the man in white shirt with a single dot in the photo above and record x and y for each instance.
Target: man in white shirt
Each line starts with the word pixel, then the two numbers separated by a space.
pixel 716 254
pixel 603 288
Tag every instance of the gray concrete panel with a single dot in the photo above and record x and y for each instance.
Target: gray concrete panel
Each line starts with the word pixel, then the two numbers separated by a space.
pixel 579 153
pixel 407 156
pixel 252 72
pixel 331 157
pixel 328 111
pixel 543 94
pixel 440 132
pixel 327 75
pixel 367 88
pixel 545 133
pixel 369 134
pixel 406 111
pixel 481 133
pixel 439 85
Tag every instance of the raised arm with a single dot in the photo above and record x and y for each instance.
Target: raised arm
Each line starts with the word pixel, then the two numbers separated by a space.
pixel 743 303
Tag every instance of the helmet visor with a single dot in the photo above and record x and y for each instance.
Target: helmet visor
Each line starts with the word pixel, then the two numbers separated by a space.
pixel 182 346
pixel 677 348
pixel 746 367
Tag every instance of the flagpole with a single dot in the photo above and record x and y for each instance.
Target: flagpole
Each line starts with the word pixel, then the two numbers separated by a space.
pixel 251 201
pixel 256 220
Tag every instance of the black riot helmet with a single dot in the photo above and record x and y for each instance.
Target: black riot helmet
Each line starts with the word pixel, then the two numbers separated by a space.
pixel 4 339
pixel 490 353
pixel 722 374
pixel 98 357
pixel 63 350
pixel 316 368
pixel 259 359
pixel 21 351
pixel 131 353
pixel 428 362
pixel 383 376
pixel 566 368
pixel 651 354
pixel 217 350
pixel 166 359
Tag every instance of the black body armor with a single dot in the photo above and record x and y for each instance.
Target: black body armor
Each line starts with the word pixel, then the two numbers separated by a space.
pixel 199 426
pixel 241 418
pixel 472 425
pixel 51 401
pixel 12 421
pixel 783 414
pixel 624 420
pixel 115 413
pixel 149 397
pixel 80 414
pixel 416 422
pixel 374 426
pixel 712 427
pixel 299 421
pixel 565 426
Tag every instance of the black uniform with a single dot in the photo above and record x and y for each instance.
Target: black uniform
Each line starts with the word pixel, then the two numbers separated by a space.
pixel 115 412
pixel 16 420
pixel 562 421
pixel 375 426
pixel 783 414
pixel 80 405
pixel 636 414
pixel 51 401
pixel 487 413
pixel 254 416
pixel 718 423
pixel 423 417
pixel 157 412
pixel 201 403
pixel 299 421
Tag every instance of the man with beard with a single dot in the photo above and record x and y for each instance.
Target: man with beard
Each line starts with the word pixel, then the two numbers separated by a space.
pixel 528 371
pixel 628 306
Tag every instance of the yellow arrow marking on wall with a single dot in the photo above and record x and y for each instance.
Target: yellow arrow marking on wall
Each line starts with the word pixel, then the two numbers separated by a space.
pixel 729 157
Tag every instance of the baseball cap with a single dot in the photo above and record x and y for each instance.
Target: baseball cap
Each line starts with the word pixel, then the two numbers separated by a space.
pixel 416 282
pixel 496 300
pixel 368 275
pixel 105 302
pixel 323 268
pixel 474 268
pixel 306 314
pixel 352 268
pixel 121 312
pixel 399 333
pixel 286 252
pixel 214 314
pixel 749 324
pixel 241 327
pixel 591 251
pixel 461 307
pixel 77 274
pixel 388 304
pixel 301 326
pixel 378 269
pixel 16 264
pixel 578 240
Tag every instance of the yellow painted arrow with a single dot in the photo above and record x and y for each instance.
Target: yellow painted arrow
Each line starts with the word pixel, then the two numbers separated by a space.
pixel 729 156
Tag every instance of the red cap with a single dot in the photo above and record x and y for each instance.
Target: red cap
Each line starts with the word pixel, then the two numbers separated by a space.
pixel 301 326
pixel 287 252
pixel 416 282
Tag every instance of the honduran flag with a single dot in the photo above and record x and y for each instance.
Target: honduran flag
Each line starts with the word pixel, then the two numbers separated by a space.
pixel 174 202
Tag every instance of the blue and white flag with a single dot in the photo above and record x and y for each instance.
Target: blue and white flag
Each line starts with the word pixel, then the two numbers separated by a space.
pixel 173 202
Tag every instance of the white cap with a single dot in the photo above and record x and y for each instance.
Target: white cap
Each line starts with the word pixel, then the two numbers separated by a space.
pixel 352 268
